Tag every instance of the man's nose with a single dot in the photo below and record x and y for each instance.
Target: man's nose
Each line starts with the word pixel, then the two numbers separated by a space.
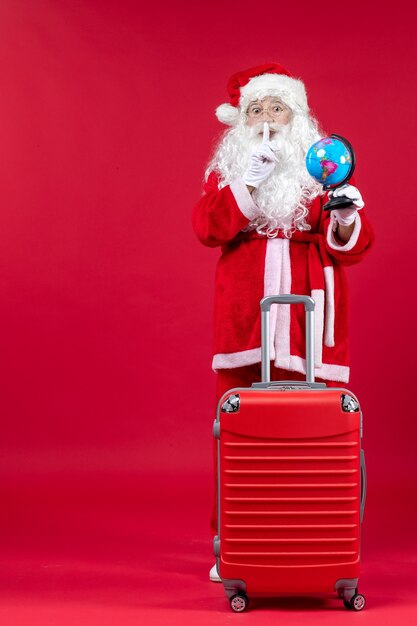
pixel 269 115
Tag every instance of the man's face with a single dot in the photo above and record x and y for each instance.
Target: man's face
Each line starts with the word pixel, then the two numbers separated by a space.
pixel 270 109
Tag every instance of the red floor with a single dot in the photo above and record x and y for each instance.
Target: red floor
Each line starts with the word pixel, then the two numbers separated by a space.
pixel 112 554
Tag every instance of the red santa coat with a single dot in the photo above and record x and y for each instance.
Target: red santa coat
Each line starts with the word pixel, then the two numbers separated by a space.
pixel 253 266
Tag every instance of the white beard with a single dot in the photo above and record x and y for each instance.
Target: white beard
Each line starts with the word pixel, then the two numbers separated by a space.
pixel 283 198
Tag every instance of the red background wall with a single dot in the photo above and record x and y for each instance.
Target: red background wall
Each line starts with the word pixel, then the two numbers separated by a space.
pixel 106 124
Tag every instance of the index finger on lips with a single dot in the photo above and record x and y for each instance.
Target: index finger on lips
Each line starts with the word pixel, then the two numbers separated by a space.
pixel 266 132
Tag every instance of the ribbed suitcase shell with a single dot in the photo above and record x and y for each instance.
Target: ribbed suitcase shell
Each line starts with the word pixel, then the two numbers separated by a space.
pixel 289 491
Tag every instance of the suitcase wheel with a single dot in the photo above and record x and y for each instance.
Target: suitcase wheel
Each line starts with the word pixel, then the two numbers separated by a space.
pixel 239 602
pixel 357 603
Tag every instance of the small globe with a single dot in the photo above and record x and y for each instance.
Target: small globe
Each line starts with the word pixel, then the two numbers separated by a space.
pixel 330 161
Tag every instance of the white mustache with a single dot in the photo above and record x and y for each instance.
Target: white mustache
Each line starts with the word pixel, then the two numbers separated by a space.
pixel 258 128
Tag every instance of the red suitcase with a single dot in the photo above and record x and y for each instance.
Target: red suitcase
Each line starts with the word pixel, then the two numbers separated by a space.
pixel 291 484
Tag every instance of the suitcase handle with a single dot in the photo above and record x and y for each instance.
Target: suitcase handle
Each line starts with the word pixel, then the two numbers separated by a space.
pixel 363 484
pixel 265 310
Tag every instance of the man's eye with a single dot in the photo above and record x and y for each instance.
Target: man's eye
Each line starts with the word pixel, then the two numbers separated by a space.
pixel 278 108
pixel 255 110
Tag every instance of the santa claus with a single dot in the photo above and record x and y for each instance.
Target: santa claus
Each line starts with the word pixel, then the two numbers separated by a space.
pixel 266 212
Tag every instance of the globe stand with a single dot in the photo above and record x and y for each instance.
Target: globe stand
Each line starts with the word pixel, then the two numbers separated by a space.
pixel 338 203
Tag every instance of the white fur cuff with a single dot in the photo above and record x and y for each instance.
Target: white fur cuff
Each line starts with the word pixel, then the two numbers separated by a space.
pixel 353 238
pixel 244 199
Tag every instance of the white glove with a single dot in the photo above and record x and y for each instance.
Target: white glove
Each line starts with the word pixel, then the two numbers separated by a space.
pixel 262 162
pixel 346 217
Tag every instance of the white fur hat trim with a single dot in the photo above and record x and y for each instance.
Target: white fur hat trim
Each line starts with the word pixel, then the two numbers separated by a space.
pixel 291 90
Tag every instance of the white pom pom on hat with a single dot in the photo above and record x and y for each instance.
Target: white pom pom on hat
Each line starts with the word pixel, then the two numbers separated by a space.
pixel 227 114
pixel 268 79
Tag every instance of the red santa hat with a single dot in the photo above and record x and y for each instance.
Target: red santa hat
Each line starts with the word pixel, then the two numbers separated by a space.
pixel 270 79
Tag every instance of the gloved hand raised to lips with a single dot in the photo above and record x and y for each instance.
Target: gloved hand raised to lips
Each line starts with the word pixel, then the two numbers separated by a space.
pixel 346 217
pixel 262 161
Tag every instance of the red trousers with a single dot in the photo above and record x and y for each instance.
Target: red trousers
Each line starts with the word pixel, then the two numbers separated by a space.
pixel 244 377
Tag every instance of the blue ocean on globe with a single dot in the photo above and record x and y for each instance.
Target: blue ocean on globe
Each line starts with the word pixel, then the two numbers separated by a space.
pixel 329 161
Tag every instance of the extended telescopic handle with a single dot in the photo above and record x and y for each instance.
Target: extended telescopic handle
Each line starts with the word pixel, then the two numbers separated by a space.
pixel 265 310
